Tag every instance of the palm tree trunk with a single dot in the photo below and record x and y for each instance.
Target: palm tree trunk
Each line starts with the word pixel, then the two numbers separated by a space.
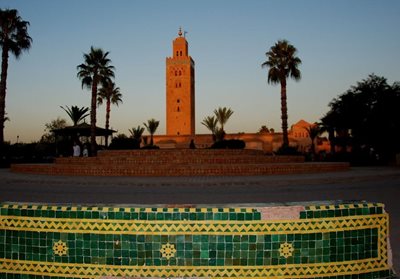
pixel 151 140
pixel 331 137
pixel 108 110
pixel 93 117
pixel 3 87
pixel 284 114
pixel 312 147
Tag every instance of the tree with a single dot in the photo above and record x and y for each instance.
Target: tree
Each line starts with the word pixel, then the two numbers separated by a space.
pixel 328 125
pixel 136 134
pixel 48 136
pixel 210 122
pixel 282 63
pixel 111 95
pixel 151 127
pixel 367 116
pixel 76 114
pixel 223 115
pixel 263 130
pixel 313 132
pixel 94 71
pixel 14 38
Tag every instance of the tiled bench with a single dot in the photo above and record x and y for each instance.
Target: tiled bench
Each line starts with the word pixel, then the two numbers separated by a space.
pixel 324 240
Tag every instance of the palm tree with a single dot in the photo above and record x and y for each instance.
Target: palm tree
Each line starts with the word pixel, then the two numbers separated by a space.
pixel 313 132
pixel 76 114
pixel 112 95
pixel 211 124
pixel 14 38
pixel 282 63
pixel 151 127
pixel 136 134
pixel 328 125
pixel 223 115
pixel 96 70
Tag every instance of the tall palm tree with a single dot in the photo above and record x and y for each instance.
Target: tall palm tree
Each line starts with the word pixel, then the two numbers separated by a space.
pixel 111 95
pixel 211 124
pixel 14 38
pixel 223 115
pixel 96 70
pixel 282 63
pixel 151 127
pixel 76 113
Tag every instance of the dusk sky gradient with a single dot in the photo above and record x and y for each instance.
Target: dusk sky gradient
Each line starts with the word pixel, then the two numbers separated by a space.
pixel 340 43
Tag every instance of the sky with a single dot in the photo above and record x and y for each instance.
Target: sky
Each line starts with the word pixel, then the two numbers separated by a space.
pixel 339 42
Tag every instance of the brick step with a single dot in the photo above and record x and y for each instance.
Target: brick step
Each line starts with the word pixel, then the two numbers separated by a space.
pixel 130 161
pixel 179 152
pixel 181 170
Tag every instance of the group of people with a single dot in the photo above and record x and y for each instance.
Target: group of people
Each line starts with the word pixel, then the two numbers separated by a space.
pixel 76 150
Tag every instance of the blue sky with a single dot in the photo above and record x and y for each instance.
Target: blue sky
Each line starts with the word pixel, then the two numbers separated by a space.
pixel 340 42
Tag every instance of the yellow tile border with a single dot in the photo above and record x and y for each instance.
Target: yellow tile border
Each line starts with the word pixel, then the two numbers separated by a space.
pixel 163 227
pixel 256 272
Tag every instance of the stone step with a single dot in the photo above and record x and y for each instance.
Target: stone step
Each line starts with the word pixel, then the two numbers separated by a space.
pixel 178 152
pixel 180 170
pixel 151 159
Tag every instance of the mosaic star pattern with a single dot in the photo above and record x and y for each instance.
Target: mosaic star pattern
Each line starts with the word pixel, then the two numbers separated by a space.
pixel 286 250
pixel 60 248
pixel 168 251
pixel 327 241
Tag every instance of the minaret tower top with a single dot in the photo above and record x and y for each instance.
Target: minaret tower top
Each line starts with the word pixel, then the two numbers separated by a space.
pixel 180 46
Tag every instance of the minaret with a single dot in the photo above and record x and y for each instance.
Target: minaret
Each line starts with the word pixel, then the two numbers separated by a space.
pixel 180 89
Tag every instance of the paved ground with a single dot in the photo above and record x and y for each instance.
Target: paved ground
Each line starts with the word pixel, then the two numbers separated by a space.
pixel 371 184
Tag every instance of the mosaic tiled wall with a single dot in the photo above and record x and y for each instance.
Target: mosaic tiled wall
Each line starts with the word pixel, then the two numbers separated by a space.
pixel 344 240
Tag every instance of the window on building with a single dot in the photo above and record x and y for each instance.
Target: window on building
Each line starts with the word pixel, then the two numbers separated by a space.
pixel 178 101
pixel 178 109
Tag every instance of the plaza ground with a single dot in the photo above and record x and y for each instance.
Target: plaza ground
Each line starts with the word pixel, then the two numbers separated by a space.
pixel 377 184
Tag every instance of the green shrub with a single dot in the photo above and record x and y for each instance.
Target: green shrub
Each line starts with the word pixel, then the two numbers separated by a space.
pixel 119 143
pixel 288 150
pixel 229 144
pixel 150 147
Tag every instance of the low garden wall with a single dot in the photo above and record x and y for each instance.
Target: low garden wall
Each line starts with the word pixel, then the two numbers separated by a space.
pixel 320 240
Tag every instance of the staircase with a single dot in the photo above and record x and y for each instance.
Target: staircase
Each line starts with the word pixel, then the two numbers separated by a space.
pixel 179 162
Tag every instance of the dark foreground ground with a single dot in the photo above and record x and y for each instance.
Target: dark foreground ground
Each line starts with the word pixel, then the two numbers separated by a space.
pixel 371 184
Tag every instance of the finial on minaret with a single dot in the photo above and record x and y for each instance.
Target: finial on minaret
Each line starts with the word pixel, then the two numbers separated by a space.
pixel 180 32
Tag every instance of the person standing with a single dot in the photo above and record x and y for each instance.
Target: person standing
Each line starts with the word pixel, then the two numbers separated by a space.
pixel 76 150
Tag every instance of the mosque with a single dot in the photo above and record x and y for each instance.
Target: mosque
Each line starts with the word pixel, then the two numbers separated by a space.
pixel 180 112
